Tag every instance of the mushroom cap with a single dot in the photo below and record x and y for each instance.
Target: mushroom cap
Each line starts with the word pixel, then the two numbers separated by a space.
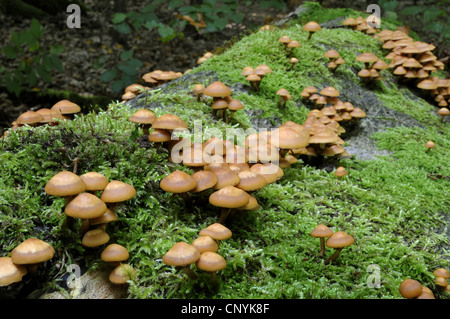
pixel 283 93
pixel 235 105
pixel 135 88
pixel 95 237
pixel 48 115
pixel 251 205
pixel 324 136
pixel 205 243
pixel 143 116
pixel 312 26
pixel 284 39
pixel 169 122
pixel 367 57
pixel 269 172
pixel 65 183
pixel 94 181
pixel 117 191
pixel 225 177
pixel 216 231
pixel 114 253
pixel 10 272
pixel 443 111
pixel 286 137
pixel 358 113
pixel 29 117
pixel 211 261
pixel 364 73
pixel 205 180
pixel 85 206
pixel 340 171
pixel 219 104
pixel 217 89
pixel 410 288
pixel 430 144
pixel 159 136
pixel 178 182
pixel 107 217
pixel 293 44
pixel 427 84
pixel 32 251
pixel 198 89
pixel 229 197
pixel 340 239
pixel 66 107
pixel 349 22
pixel 441 281
pixel 329 91
pixel 122 273
pixel 412 63
pixel 322 231
pixel 250 181
pixel 181 254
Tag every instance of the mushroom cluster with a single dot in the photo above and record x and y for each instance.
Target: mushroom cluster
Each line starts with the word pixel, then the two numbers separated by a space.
pixel 414 61
pixel 334 58
pixel 360 24
pixel 373 66
pixel 94 200
pixel 255 75
pixel 203 252
pixel 60 111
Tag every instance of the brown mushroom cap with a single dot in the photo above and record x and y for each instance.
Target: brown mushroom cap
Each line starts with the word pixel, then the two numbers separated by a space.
pixel 85 206
pixel 205 180
pixel 217 89
pixel 235 105
pixel 251 205
pixel 114 253
pixel 107 217
pixel 32 251
pixel 410 288
pixel 442 272
pixel 211 261
pixel 430 144
pixel 340 171
pixel 286 137
pixel 66 107
pixel 205 243
pixel 312 26
pixel 65 183
pixel 169 122
pixel 29 117
pixel 367 57
pixel 250 181
pixel 331 54
pixel 229 197
pixel 269 172
pixel 94 181
pixel 340 239
pixel 178 182
pixel 117 191
pixel 143 116
pixel 95 237
pixel 322 231
pixel 159 136
pixel 216 231
pixel 10 272
pixel 122 273
pixel 181 254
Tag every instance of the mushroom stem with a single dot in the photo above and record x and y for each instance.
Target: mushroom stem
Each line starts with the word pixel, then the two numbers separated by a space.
pixel 334 256
pixel 224 215
pixel 322 246
pixel 230 116
pixel 188 271
pixel 214 280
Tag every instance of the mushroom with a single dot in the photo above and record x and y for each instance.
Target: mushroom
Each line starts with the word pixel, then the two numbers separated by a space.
pixel 65 184
pixel 429 145
pixel 197 91
pixel 10 272
pixel 144 118
pixel 311 27
pixel 179 182
pixel 284 97
pixel 94 182
pixel 182 255
pixel 66 108
pixel 205 243
pixel 443 112
pixel 30 118
pixel 410 288
pixel 122 273
pixel 228 198
pixel 85 206
pixel 95 237
pixel 322 231
pixel 338 241
pixel 340 172
pixel 211 262
pixel 31 253
pixel 233 106
pixel 216 231
pixel 205 180
pixel 116 192
pixel 114 254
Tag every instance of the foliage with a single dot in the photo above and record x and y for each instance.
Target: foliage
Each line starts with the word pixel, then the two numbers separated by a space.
pixel 34 62
pixel 207 16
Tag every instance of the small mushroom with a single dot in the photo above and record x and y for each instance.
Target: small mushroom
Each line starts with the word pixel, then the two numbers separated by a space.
pixel 410 288
pixel 429 145
pixel 311 27
pixel 31 253
pixel 114 254
pixel 122 274
pixel 322 231
pixel 338 241
pixel 117 192
pixel 340 172
pixel 10 272
pixel 179 182
pixel 182 255
pixel 95 238
pixel 228 198
pixel 211 262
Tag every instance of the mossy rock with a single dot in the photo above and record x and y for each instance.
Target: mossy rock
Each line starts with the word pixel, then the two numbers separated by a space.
pixel 394 201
